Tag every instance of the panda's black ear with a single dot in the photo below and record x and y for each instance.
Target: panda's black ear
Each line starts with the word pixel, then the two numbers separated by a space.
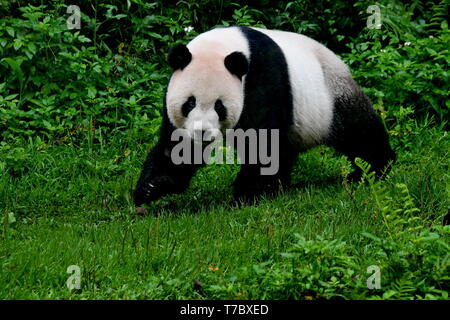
pixel 237 64
pixel 179 57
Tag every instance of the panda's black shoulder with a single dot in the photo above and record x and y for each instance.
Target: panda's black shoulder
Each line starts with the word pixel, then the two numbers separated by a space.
pixel 268 97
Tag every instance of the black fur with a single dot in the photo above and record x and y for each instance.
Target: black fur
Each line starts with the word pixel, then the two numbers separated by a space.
pixel 267 105
pixel 179 57
pixel 160 176
pixel 357 131
pixel 237 64
pixel 188 106
pixel 221 110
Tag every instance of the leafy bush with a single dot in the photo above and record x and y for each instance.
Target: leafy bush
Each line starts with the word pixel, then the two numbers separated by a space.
pixel 411 74
pixel 54 84
pixel 414 260
pixel 109 77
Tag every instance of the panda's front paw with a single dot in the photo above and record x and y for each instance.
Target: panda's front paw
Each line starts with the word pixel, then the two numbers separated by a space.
pixel 153 189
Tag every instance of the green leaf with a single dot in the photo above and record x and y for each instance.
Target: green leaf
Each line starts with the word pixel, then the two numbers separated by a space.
pixel 10 31
pixel 92 92
pixel 15 66
pixel 17 44
pixel 12 96
pixel 32 48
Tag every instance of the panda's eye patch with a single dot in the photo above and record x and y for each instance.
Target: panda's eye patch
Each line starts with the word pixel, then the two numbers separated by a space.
pixel 221 110
pixel 188 106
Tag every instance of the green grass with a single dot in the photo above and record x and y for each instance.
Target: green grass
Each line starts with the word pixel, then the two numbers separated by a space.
pixel 68 204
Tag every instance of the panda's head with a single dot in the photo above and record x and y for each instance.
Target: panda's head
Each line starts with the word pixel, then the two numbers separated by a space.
pixel 205 93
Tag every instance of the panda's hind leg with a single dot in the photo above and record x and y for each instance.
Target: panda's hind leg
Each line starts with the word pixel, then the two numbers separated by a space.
pixel 357 131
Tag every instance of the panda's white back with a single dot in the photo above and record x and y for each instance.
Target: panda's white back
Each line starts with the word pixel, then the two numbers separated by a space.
pixel 312 99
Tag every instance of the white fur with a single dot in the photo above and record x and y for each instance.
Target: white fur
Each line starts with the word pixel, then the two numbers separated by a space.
pixel 207 79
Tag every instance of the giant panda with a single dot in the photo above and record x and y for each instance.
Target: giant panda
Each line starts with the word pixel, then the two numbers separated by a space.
pixel 243 77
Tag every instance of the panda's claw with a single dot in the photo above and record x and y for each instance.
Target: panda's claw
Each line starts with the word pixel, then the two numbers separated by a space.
pixel 154 189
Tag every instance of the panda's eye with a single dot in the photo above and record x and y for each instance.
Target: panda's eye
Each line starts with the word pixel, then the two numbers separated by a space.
pixel 188 106
pixel 221 110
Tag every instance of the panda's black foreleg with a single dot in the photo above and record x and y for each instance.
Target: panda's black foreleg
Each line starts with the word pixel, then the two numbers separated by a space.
pixel 250 182
pixel 161 177
pixel 358 131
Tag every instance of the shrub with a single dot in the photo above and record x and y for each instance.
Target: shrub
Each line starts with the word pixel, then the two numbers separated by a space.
pixel 414 260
